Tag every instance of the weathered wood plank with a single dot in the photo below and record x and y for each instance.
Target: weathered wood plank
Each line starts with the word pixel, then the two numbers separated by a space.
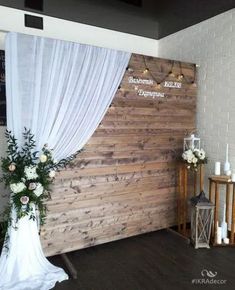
pixel 125 181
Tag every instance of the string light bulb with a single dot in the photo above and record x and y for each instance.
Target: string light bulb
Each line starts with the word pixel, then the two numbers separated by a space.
pixel 180 77
pixel 146 70
pixel 171 74
pixel 159 86
pixel 129 69
pixel 194 84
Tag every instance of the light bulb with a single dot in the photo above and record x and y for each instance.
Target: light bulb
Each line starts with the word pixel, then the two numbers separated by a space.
pixel 180 77
pixel 146 70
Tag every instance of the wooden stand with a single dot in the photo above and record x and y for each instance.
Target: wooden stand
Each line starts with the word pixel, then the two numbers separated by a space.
pixel 70 266
pixel 185 194
pixel 214 195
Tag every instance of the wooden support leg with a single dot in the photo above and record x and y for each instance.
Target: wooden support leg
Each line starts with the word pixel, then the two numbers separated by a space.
pixel 227 202
pixel 233 217
pixel 180 200
pixel 70 266
pixel 210 198
pixel 195 183
pixel 201 177
pixel 185 202
pixel 216 210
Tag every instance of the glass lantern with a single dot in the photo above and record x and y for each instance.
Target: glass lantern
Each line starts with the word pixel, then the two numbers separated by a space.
pixel 191 142
pixel 202 213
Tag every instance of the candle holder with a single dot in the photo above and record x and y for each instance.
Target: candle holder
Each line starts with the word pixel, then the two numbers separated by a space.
pixel 202 213
pixel 192 142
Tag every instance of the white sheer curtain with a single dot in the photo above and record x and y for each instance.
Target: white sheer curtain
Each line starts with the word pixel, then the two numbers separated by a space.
pixel 61 91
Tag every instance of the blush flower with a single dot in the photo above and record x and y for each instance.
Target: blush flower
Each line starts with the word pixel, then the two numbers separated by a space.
pixel 24 199
pixel 32 186
pixel 12 167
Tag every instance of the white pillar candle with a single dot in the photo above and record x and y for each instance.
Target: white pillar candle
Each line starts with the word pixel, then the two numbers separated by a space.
pixel 228 172
pixel 224 225
pixel 226 164
pixel 217 168
pixel 233 177
pixel 219 235
pixel 226 160
pixel 226 241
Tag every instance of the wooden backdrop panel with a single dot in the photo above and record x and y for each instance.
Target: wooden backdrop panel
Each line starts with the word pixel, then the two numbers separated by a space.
pixel 124 183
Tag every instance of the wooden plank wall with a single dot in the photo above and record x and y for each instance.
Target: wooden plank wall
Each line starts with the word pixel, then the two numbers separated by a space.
pixel 124 183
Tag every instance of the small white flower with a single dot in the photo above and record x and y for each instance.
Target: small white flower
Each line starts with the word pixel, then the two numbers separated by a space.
pixel 38 190
pixel 12 167
pixel 17 187
pixel 52 173
pixel 30 172
pixel 43 158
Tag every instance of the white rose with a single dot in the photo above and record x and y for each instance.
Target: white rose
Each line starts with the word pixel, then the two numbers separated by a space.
pixel 43 158
pixel 52 173
pixel 30 172
pixel 17 187
pixel 38 190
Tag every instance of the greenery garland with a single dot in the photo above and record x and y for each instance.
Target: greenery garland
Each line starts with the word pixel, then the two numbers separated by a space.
pixel 29 175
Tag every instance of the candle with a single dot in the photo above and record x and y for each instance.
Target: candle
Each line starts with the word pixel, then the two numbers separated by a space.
pixel 228 172
pixel 226 241
pixel 226 153
pixel 226 164
pixel 217 168
pixel 224 225
pixel 219 235
pixel 233 177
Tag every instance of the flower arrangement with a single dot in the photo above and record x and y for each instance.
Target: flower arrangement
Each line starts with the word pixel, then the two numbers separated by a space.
pixel 29 174
pixel 194 157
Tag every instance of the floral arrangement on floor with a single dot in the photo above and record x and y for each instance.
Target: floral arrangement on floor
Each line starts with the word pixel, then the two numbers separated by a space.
pixel 29 174
pixel 194 157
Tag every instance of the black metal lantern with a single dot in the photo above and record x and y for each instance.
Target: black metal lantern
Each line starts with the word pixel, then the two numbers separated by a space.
pixel 202 212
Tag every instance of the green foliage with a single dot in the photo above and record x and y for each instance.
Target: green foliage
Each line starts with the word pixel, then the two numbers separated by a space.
pixel 29 176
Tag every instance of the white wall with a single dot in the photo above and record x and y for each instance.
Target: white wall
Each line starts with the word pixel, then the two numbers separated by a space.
pixel 211 44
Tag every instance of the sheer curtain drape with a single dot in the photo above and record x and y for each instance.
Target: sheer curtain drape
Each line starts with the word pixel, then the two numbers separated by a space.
pixel 61 91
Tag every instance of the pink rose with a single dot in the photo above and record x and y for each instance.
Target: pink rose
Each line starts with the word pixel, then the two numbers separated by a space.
pixel 24 199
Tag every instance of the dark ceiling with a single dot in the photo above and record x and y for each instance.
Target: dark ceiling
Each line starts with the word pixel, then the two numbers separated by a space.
pixel 149 18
